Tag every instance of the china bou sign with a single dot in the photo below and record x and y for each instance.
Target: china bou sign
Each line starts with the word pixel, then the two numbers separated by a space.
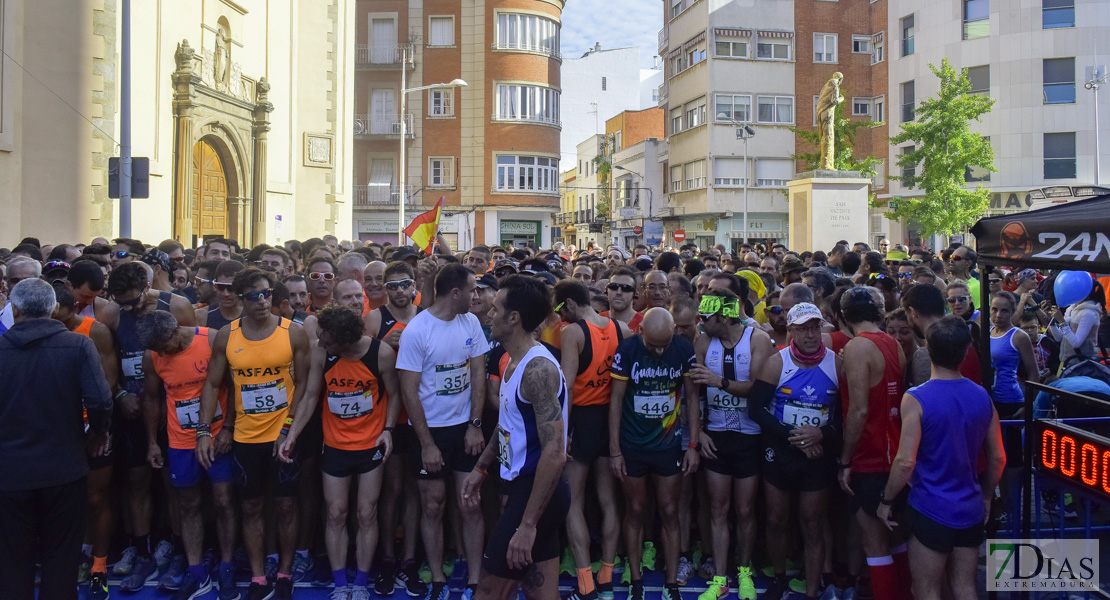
pixel 1043 565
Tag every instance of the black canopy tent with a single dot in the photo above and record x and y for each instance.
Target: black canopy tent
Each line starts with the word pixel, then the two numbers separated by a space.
pixel 1074 236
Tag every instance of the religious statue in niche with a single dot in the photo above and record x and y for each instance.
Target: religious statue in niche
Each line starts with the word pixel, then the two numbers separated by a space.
pixel 222 59
pixel 826 120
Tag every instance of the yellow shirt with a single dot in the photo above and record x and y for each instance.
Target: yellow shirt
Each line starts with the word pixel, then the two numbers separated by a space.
pixel 262 373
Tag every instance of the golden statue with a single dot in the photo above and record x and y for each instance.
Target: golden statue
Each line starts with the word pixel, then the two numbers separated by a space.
pixel 826 120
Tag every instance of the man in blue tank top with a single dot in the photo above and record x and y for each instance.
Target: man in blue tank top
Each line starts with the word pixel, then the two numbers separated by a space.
pixel 947 423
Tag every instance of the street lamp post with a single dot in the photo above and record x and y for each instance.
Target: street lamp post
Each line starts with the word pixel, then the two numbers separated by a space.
pixel 1097 80
pixel 405 90
pixel 743 132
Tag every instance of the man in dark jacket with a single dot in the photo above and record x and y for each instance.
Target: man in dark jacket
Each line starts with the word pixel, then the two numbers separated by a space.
pixel 48 373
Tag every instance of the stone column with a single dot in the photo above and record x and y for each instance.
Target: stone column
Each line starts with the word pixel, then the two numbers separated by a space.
pixel 260 126
pixel 185 81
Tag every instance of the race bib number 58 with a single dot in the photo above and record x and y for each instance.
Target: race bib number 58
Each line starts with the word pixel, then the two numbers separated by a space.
pixel 262 398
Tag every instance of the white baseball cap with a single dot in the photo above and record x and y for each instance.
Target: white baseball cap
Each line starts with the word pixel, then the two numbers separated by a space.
pixel 803 312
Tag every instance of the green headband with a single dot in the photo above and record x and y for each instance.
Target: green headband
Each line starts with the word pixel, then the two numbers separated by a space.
pixel 711 305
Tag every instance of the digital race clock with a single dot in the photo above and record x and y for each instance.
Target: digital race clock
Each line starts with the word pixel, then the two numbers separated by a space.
pixel 1080 457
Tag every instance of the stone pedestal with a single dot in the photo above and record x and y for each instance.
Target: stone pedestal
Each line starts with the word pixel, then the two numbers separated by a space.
pixel 828 206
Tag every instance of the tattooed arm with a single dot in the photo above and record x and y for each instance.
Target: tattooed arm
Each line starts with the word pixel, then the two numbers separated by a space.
pixel 540 387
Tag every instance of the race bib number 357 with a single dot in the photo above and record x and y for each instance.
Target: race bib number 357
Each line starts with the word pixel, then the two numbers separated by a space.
pixel 262 398
pixel 452 380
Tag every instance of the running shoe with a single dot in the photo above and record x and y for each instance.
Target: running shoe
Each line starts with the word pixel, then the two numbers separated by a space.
pixel 270 568
pixel 648 559
pixel 163 553
pixel 360 592
pixel 174 575
pixel 283 589
pixel 145 570
pixel 425 572
pixel 126 562
pixel 191 588
pixel 468 593
pixel 409 578
pixel 456 581
pixel 849 594
pixel 696 555
pixel 605 591
pixel 778 589
pixel 685 569
pixel 225 580
pixel 438 591
pixel 707 570
pixel 798 584
pixel 384 584
pixel 83 568
pixel 301 566
pixel 718 588
pixel 745 587
pixel 577 595
pixel 626 577
pixel 618 564
pixel 448 564
pixel 791 569
pixel 831 593
pixel 258 591
pixel 340 594
pixel 671 592
pixel 98 586
pixel 636 592
pixel 566 563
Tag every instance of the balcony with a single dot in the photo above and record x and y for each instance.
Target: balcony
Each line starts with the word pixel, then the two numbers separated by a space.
pixel 663 41
pixel 540 119
pixel 380 55
pixel 383 125
pixel 379 195
pixel 662 94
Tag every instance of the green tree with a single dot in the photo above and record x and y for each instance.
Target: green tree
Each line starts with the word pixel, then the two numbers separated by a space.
pixel 604 166
pixel 944 146
pixel 845 140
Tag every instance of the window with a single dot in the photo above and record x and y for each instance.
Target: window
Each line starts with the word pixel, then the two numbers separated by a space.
pixel 878 54
pixel 527 103
pixel 861 44
pixel 977 14
pixel 695 55
pixel 676 178
pixel 729 172
pixel 824 47
pixel 655 94
pixel 676 8
pixel 980 78
pixel 441 102
pixel 676 120
pixel 440 171
pixel 879 114
pixel 775 109
pixel 910 171
pixel 383 42
pixel 538 174
pixel 861 107
pixel 441 31
pixel 773 49
pixel 734 106
pixel 975 173
pixel 617 142
pixel 1058 13
pixel 773 172
pixel 907 35
pixel 695 174
pixel 907 101
pixel 695 113
pixel 531 33
pixel 604 83
pixel 1059 81
pixel 1059 155
pixel 381 181
pixel 730 49
pixel 879 180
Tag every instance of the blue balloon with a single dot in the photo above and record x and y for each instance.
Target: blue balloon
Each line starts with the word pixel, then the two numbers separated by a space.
pixel 1072 287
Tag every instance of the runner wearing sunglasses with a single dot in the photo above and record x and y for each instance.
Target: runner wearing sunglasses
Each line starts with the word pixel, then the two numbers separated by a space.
pixel 728 354
pixel 228 305
pixel 621 291
pixel 320 277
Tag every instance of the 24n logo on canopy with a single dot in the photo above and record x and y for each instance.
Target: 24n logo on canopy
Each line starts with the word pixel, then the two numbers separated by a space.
pixel 1042 565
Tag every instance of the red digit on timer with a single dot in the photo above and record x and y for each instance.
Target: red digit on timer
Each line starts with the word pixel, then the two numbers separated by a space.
pixel 1088 469
pixel 1067 455
pixel 1048 449
pixel 1106 471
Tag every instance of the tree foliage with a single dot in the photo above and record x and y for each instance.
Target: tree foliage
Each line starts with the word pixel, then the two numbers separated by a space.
pixel 944 146
pixel 604 166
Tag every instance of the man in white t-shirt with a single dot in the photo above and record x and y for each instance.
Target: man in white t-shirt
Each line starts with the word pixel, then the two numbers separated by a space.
pixel 441 363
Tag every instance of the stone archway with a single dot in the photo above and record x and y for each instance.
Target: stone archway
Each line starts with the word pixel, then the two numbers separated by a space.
pixel 210 192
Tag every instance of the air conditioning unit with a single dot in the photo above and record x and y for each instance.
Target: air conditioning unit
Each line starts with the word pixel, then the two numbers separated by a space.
pixel 397 129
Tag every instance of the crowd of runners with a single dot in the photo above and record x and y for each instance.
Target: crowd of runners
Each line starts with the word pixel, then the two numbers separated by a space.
pixel 476 423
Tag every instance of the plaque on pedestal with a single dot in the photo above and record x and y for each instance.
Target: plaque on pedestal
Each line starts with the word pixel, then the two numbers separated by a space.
pixel 828 206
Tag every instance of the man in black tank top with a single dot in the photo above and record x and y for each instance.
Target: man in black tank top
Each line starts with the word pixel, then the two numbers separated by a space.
pixel 400 289
pixel 226 307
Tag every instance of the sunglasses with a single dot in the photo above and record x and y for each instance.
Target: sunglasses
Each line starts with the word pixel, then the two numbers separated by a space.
pixel 222 287
pixel 623 287
pixel 994 281
pixel 875 276
pixel 200 280
pixel 959 299
pixel 957 258
pixel 560 306
pixel 775 310
pixel 55 264
pixel 256 296
pixel 400 284
pixel 123 254
pixel 905 275
pixel 317 276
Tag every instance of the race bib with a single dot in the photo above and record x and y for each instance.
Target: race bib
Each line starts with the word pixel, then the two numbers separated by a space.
pixel 504 450
pixel 188 413
pixel 795 415
pixel 348 405
pixel 722 400
pixel 654 407
pixel 452 380
pixel 262 398
pixel 132 365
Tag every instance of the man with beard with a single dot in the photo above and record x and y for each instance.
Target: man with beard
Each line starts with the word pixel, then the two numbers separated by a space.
pixel 227 305
pixel 621 291
pixel 298 292
pixel 924 306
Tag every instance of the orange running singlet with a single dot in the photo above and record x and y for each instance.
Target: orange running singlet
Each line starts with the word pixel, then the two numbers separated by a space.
pixel 592 383
pixel 356 409
pixel 85 328
pixel 183 375
pixel 262 372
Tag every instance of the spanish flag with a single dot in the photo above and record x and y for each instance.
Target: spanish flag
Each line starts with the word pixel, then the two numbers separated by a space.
pixel 422 230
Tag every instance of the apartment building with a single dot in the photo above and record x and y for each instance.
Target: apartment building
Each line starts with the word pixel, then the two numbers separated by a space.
pixel 634 141
pixel 1033 58
pixel 490 149
pixel 725 63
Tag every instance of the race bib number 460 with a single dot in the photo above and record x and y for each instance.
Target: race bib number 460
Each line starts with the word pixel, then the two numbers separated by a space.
pixel 452 380
pixel 722 400
pixel 348 405
pixel 654 407
pixel 792 414
pixel 262 398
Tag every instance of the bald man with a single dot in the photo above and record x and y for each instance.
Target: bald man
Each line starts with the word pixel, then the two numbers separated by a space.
pixel 644 435
pixel 373 282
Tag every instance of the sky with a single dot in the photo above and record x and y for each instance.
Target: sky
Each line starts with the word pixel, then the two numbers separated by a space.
pixel 614 23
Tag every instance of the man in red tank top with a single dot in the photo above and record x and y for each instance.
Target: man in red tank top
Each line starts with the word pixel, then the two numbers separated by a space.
pixel 873 375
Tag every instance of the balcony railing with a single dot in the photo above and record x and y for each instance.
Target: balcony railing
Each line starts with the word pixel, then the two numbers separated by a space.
pixel 662 40
pixel 379 124
pixel 379 55
pixel 380 194
pixel 543 119
pixel 526 47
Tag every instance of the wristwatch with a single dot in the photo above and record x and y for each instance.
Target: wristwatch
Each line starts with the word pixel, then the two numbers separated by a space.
pixel 476 423
pixel 724 383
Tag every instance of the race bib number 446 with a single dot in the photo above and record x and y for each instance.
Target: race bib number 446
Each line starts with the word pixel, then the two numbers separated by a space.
pixel 452 380
pixel 654 407
pixel 262 398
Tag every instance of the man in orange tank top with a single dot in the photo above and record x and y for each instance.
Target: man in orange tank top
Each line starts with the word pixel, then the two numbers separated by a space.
pixel 588 345
pixel 874 365
pixel 268 359
pixel 352 369
pixel 176 365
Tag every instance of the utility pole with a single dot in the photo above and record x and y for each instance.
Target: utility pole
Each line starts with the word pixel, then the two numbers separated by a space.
pixel 125 123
